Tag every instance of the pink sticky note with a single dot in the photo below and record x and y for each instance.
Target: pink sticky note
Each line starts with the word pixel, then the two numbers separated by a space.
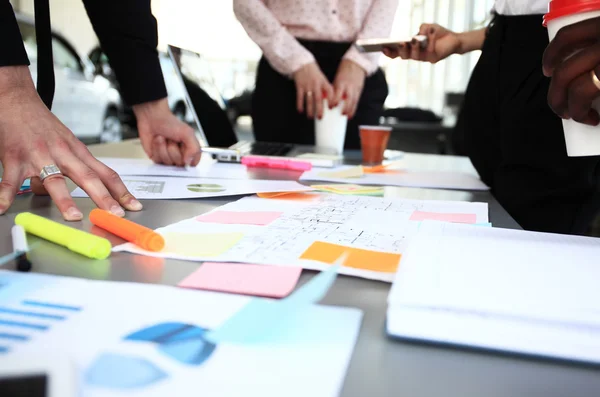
pixel 260 218
pixel 245 279
pixel 437 216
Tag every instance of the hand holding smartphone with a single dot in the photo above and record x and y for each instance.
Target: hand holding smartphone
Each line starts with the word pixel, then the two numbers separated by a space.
pixel 377 45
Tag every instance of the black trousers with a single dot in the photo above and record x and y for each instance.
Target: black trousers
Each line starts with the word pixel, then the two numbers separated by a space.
pixel 274 114
pixel 516 142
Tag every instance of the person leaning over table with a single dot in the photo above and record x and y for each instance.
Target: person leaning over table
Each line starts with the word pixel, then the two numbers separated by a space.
pixel 511 135
pixel 34 143
pixel 308 55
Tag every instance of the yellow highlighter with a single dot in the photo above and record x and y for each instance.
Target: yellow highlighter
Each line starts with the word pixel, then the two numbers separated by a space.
pixel 75 240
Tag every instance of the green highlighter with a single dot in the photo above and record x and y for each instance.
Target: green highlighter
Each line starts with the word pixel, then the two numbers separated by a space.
pixel 75 240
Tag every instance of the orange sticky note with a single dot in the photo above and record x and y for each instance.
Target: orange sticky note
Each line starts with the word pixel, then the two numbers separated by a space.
pixel 287 196
pixel 383 168
pixel 357 258
pixel 444 217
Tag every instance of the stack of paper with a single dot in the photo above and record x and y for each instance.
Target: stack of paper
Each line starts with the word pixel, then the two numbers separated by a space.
pixel 498 289
pixel 373 232
pixel 394 177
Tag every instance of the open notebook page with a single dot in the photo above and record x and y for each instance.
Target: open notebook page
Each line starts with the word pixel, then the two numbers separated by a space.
pixel 501 271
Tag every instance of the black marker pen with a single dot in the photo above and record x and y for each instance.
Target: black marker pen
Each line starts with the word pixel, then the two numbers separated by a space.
pixel 20 248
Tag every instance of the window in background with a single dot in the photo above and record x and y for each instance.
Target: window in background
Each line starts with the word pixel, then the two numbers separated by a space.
pixel 416 84
pixel 65 57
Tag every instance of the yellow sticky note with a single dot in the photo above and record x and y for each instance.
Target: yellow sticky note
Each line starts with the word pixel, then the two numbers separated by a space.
pixel 376 261
pixel 352 172
pixel 200 244
pixel 350 189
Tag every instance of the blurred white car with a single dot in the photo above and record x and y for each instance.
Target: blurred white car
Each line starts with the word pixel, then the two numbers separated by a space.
pixel 84 101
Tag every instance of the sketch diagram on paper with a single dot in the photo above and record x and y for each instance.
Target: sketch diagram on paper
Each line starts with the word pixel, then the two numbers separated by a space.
pixel 328 221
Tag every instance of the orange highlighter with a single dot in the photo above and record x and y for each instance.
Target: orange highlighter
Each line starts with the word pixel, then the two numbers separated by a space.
pixel 139 235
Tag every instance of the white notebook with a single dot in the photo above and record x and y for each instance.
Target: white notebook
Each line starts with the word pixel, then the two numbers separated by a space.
pixel 500 289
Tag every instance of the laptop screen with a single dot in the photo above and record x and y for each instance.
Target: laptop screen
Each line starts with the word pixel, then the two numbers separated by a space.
pixel 193 70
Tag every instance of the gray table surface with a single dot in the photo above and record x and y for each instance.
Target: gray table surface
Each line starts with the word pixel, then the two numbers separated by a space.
pixel 380 366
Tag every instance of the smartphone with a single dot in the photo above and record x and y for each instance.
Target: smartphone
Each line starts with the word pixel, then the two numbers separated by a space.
pixel 38 376
pixel 377 45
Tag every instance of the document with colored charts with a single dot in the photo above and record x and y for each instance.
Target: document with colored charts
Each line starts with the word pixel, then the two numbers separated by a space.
pixel 311 230
pixel 127 339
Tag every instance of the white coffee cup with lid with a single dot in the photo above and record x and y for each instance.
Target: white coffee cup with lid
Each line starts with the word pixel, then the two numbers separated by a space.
pixel 581 139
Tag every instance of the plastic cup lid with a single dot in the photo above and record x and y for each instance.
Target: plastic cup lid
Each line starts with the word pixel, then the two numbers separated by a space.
pixel 562 8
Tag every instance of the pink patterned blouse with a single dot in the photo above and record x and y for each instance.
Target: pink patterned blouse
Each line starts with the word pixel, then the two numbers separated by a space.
pixel 275 24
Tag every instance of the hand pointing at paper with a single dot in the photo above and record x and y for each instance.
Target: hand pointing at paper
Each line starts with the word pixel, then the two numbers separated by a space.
pixel 32 140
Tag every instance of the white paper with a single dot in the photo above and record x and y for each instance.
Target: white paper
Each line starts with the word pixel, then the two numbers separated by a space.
pixel 505 289
pixel 406 178
pixel 107 312
pixel 162 188
pixel 334 219
pixel 208 168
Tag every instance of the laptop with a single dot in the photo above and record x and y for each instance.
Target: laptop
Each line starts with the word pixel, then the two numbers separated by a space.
pixel 190 67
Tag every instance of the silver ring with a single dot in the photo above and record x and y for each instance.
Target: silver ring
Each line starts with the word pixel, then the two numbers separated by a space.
pixel 309 94
pixel 49 170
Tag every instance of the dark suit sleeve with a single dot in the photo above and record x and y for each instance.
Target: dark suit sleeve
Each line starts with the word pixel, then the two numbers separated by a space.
pixel 12 52
pixel 128 34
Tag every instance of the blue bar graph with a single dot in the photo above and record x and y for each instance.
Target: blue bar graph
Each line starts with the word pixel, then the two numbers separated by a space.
pixel 31 314
pixel 49 305
pixel 3 349
pixel 39 327
pixel 14 337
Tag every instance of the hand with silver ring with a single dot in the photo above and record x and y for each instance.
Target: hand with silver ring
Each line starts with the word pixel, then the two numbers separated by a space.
pixel 48 171
pixel 311 88
pixel 573 61
pixel 35 144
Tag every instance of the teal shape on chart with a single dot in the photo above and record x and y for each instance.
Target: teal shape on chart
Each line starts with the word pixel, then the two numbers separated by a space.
pixel 190 352
pixel 191 332
pixel 156 333
pixel 264 320
pixel 115 371
pixel 313 291
pixel 181 342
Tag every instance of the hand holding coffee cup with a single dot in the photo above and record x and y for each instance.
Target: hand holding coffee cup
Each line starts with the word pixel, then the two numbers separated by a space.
pixel 573 60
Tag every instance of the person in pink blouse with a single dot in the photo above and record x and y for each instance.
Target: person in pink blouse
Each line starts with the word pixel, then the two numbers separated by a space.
pixel 308 56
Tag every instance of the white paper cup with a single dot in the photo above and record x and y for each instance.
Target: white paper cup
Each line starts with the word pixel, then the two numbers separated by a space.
pixel 330 131
pixel 581 139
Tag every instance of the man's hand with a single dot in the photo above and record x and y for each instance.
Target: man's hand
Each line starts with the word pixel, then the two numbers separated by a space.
pixel 569 60
pixel 348 85
pixel 441 44
pixel 31 138
pixel 165 138
pixel 312 85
